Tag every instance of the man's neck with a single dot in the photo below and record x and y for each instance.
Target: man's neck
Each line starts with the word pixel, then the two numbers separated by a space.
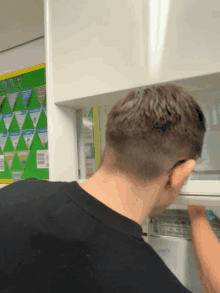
pixel 122 196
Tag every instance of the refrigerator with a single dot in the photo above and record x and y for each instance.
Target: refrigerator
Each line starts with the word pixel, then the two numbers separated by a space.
pixel 170 233
pixel 170 236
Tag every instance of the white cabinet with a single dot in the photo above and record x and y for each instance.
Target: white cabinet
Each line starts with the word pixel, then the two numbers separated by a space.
pixel 96 53
pixel 98 49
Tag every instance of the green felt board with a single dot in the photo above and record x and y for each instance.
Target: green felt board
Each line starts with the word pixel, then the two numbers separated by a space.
pixel 5 107
pixel 14 125
pixel 2 126
pixel 21 144
pixel 19 106
pixel 33 102
pixel 31 94
pixel 28 124
pixel 42 121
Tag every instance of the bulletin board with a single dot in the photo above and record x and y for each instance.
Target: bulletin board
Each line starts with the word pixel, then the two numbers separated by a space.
pixel 23 125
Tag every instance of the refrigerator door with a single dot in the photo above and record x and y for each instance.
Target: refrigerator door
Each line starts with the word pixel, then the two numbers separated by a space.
pixel 169 235
pixel 205 178
pixel 179 257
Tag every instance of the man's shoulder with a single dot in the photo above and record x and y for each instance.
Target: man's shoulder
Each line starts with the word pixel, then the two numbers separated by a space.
pixel 28 189
pixel 21 186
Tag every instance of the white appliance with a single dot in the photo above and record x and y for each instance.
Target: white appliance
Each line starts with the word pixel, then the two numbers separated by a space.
pixel 169 234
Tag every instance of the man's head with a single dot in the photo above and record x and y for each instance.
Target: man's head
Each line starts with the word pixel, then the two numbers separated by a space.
pixel 153 139
pixel 145 134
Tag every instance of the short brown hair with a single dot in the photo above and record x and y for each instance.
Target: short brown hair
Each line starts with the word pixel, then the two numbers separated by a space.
pixel 149 126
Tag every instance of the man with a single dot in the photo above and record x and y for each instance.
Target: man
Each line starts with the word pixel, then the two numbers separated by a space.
pixel 70 237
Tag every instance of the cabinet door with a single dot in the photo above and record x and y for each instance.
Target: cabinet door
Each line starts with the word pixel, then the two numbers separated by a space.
pixel 205 178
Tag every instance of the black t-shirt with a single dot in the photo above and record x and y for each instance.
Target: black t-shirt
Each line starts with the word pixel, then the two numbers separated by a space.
pixel 55 237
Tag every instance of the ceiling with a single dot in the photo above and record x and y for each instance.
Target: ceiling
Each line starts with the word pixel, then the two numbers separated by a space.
pixel 22 21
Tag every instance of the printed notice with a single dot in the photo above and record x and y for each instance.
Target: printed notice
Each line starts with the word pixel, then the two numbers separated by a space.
pixel 34 114
pixel 2 164
pixel 7 119
pixel 20 115
pixel 3 137
pixel 42 159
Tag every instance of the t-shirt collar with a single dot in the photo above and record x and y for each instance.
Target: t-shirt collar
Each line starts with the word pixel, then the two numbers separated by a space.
pixel 101 212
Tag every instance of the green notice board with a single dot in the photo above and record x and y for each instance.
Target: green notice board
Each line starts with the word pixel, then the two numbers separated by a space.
pixel 23 126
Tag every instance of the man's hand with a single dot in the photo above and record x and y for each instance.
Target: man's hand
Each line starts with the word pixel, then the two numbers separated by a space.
pixel 206 249
pixel 196 210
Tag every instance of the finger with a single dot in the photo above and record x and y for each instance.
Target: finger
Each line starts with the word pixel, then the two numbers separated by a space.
pixel 196 206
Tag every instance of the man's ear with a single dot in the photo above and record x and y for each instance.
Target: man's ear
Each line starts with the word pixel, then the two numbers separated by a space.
pixel 181 173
